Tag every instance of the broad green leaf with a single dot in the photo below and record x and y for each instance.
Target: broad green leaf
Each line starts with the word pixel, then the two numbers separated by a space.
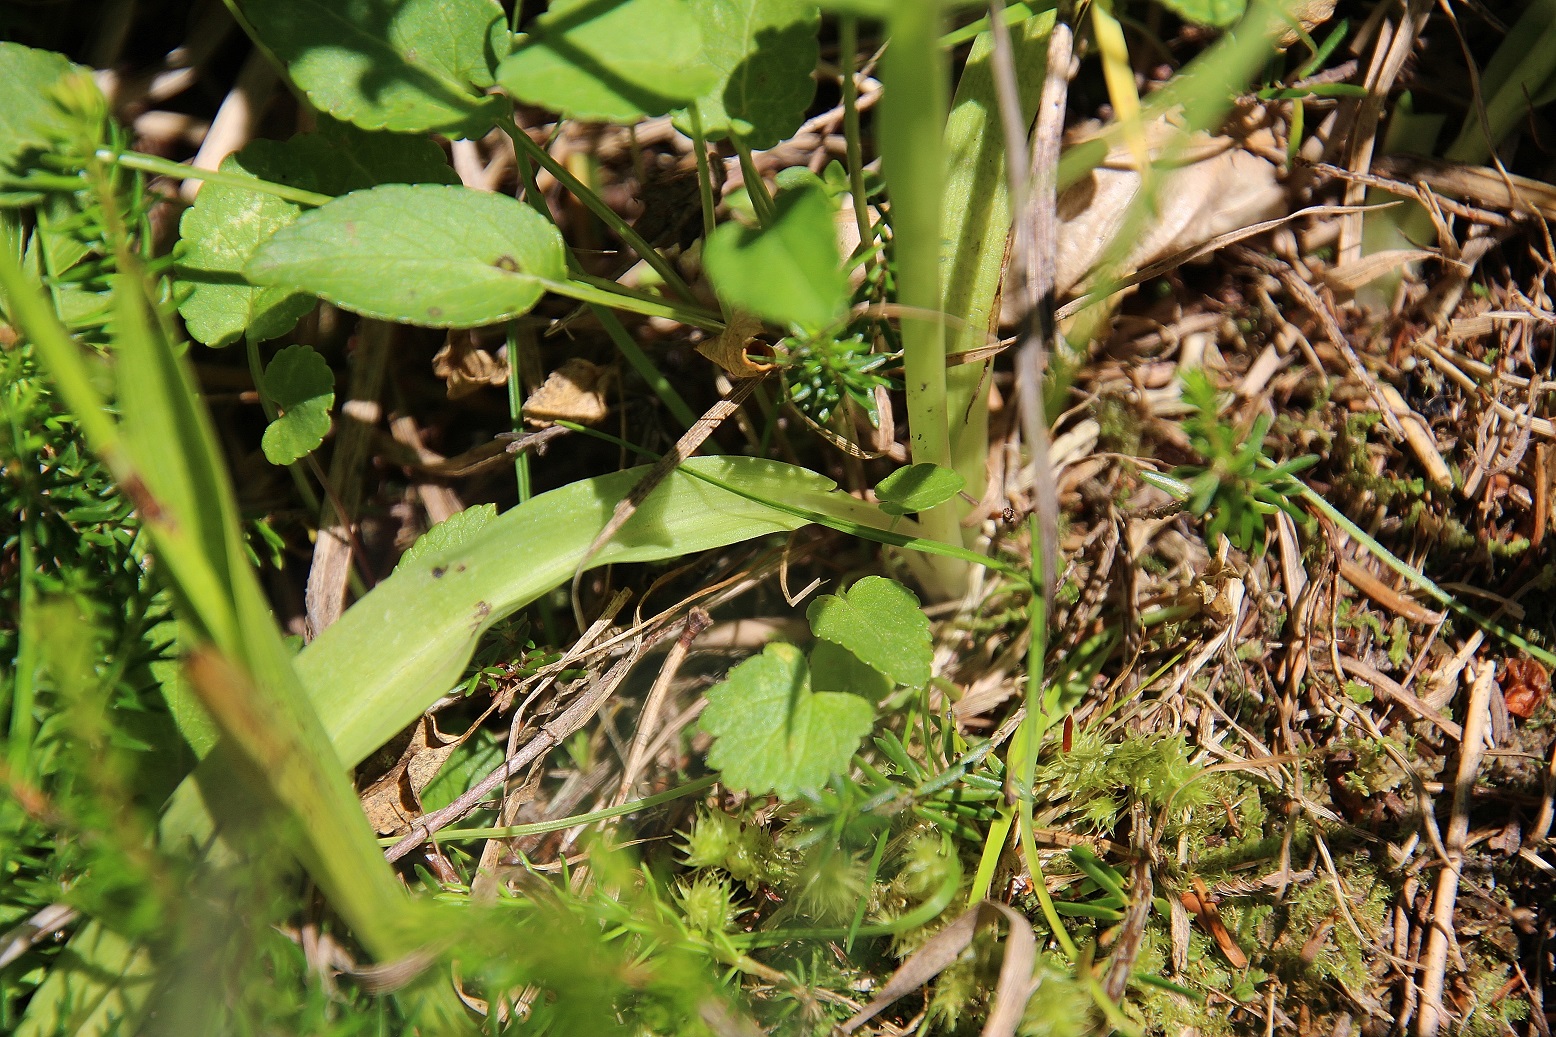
pixel 772 733
pixel 1218 13
pixel 765 52
pixel 300 383
pixel 835 668
pixel 879 620
pixel 453 532
pixel 790 272
pixel 609 61
pixel 917 487
pixel 220 232
pixel 444 257
pixel 414 66
pixel 29 118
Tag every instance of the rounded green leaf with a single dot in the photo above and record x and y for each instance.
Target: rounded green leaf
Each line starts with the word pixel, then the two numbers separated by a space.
pixel 917 487
pixel 610 61
pixel 878 620
pixel 414 66
pixel 302 386
pixel 765 53
pixel 773 734
pixel 444 257
pixel 835 668
pixel 221 231
pixel 790 272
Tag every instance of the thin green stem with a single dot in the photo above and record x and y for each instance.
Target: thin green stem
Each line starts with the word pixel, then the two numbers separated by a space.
pixel 645 367
pixel 595 204
pixel 518 345
pixel 179 171
pixel 587 288
pixel 848 49
pixel 756 187
pixel 704 171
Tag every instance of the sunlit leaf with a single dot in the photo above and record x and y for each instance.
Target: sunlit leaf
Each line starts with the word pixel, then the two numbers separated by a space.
pixel 880 621
pixel 789 272
pixel 772 733
pixel 446 257
pixel 302 386
pixel 917 487
pixel 765 55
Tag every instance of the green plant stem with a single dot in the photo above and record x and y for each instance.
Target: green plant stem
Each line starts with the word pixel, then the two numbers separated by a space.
pixel 179 171
pixel 645 368
pixel 595 204
pixel 588 288
pixel 756 187
pixel 848 47
pixel 704 171
pixel 519 344
pixel 911 121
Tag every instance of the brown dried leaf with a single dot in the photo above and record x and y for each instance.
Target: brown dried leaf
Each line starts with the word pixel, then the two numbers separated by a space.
pixel 394 800
pixel 1525 684
pixel 1203 908
pixel 466 367
pixel 729 349
pixel 576 391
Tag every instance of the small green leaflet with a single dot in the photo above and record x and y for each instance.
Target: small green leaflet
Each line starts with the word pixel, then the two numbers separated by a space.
pixel 917 487
pixel 765 54
pixel 221 231
pixel 879 621
pixel 414 66
pixel 610 62
pixel 452 533
pixel 29 119
pixel 300 383
pixel 443 257
pixel 789 273
pixel 835 668
pixel 774 734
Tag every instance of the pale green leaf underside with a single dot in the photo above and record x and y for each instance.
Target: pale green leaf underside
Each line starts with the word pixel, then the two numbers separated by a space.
pixel 880 621
pixel 788 272
pixel 609 62
pixel 28 114
pixel 774 734
pixel 412 66
pixel 301 384
pixel 765 52
pixel 445 257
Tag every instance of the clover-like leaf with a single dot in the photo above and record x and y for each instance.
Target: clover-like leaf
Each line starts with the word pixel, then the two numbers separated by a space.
pixel 414 66
pixel 29 119
pixel 790 272
pixel 765 54
pixel 444 257
pixel 302 386
pixel 610 60
pixel 917 487
pixel 226 224
pixel 878 620
pixel 772 733
pixel 458 529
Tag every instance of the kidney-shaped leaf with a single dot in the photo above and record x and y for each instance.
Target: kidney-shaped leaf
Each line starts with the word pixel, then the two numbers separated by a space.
pixel 788 272
pixel 220 232
pixel 773 734
pixel 409 65
pixel 301 384
pixel 880 622
pixel 610 60
pixel 444 257
pixel 765 54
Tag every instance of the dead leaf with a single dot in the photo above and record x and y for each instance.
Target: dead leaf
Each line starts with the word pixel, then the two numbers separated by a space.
pixel 729 349
pixel 1525 684
pixel 1202 907
pixel 1221 188
pixel 466 367
pixel 394 800
pixel 576 391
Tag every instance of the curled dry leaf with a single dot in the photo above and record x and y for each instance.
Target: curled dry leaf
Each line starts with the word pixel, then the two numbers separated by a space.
pixel 729 349
pixel 1525 684
pixel 394 800
pixel 465 366
pixel 1200 904
pixel 576 391
pixel 1220 188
